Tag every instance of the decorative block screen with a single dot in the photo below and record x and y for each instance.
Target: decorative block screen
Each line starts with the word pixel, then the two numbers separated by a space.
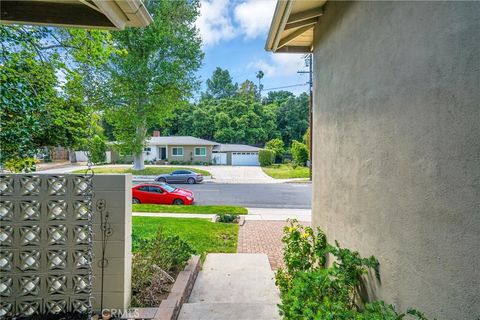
pixel 45 244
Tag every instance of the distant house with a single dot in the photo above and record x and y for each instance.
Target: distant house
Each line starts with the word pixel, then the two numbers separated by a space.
pixel 186 149
pixel 236 155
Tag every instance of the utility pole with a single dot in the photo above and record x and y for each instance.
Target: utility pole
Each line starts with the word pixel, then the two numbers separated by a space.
pixel 309 64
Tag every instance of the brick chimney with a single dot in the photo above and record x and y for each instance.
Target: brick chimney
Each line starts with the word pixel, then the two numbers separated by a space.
pixel 156 133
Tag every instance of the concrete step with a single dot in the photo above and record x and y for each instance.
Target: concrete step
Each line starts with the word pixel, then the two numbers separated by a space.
pixel 229 311
pixel 238 286
pixel 245 262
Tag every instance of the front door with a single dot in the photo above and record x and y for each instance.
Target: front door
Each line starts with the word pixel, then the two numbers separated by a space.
pixel 163 153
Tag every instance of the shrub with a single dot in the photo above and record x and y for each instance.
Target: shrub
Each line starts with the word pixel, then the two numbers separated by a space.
pixel 299 153
pixel 155 264
pixel 276 145
pixel 21 165
pixel 97 149
pixel 310 290
pixel 227 218
pixel 266 157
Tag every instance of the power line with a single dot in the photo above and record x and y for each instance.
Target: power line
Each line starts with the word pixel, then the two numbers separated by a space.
pixel 293 85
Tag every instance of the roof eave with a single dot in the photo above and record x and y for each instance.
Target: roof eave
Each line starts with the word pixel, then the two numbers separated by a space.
pixel 279 20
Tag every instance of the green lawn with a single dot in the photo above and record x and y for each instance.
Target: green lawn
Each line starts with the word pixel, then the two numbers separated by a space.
pixel 202 234
pixel 145 172
pixel 189 209
pixel 285 171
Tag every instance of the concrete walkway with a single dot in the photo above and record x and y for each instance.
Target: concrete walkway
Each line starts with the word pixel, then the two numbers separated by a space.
pixel 265 214
pixel 233 287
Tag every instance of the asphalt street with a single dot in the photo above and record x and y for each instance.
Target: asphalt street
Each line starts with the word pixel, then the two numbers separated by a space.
pixel 281 195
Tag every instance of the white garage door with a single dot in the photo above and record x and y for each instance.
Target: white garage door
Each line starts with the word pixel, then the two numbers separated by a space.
pixel 245 159
pixel 219 158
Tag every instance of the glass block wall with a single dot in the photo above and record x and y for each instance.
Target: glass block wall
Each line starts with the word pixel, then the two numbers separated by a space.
pixel 45 244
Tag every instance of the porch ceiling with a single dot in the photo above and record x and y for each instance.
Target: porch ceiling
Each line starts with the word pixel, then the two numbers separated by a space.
pixel 293 25
pixel 99 14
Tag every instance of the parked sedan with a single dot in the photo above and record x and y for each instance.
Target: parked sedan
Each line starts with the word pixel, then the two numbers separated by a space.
pixel 180 176
pixel 161 193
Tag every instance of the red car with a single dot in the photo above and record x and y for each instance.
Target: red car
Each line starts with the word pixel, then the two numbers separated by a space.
pixel 161 193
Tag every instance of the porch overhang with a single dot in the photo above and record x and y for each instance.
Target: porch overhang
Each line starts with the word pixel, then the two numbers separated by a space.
pixel 98 14
pixel 293 25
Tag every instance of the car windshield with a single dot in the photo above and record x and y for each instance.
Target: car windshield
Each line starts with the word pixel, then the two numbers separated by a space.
pixel 168 188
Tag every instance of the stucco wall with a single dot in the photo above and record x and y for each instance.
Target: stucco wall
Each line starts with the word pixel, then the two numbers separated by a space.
pixel 397 147
pixel 189 154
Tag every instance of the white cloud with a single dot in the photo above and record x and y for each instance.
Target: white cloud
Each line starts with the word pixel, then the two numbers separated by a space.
pixel 214 22
pixel 254 17
pixel 280 64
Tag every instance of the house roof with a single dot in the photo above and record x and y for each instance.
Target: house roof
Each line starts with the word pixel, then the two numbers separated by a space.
pixel 235 148
pixel 99 14
pixel 180 140
pixel 293 24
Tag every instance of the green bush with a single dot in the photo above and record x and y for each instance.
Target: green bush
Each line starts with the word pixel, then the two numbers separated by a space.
pixel 311 290
pixel 97 149
pixel 299 153
pixel 227 218
pixel 276 145
pixel 156 262
pixel 21 165
pixel 266 157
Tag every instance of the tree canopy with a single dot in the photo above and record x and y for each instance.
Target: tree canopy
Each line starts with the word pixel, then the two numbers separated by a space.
pixel 41 79
pixel 154 73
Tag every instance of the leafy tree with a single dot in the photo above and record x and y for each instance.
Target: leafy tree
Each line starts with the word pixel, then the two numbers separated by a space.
pixel 277 146
pixel 278 97
pixel 156 73
pixel 37 108
pixel 97 149
pixel 293 118
pixel 220 85
pixel 299 153
pixel 248 89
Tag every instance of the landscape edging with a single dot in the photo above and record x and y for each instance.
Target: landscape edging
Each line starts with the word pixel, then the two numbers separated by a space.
pixel 181 290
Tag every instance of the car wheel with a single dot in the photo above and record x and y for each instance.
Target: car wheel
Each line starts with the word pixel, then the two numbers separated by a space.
pixel 162 180
pixel 191 181
pixel 135 201
pixel 178 202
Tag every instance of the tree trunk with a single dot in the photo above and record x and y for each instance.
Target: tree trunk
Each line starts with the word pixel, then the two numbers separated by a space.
pixel 138 161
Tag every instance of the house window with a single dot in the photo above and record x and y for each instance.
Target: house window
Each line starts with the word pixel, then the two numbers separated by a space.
pixel 200 151
pixel 177 151
pixel 147 149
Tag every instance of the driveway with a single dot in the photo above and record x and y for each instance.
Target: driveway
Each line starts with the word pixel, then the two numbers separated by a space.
pixel 238 174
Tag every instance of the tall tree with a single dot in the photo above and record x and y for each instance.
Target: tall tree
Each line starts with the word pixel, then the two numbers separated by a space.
pixel 155 74
pixel 220 85
pixel 293 118
pixel 259 76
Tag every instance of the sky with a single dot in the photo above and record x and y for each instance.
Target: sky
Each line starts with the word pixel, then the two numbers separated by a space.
pixel 234 33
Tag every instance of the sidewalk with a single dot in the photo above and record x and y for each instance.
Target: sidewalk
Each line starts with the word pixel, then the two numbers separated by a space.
pixel 254 214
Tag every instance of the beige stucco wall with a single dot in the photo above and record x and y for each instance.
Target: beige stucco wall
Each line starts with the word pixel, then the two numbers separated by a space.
pixel 189 154
pixel 397 147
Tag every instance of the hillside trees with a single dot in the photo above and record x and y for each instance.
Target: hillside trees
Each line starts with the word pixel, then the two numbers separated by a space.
pixel 230 113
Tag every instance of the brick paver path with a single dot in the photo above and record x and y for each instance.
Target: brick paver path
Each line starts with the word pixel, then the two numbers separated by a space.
pixel 263 237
